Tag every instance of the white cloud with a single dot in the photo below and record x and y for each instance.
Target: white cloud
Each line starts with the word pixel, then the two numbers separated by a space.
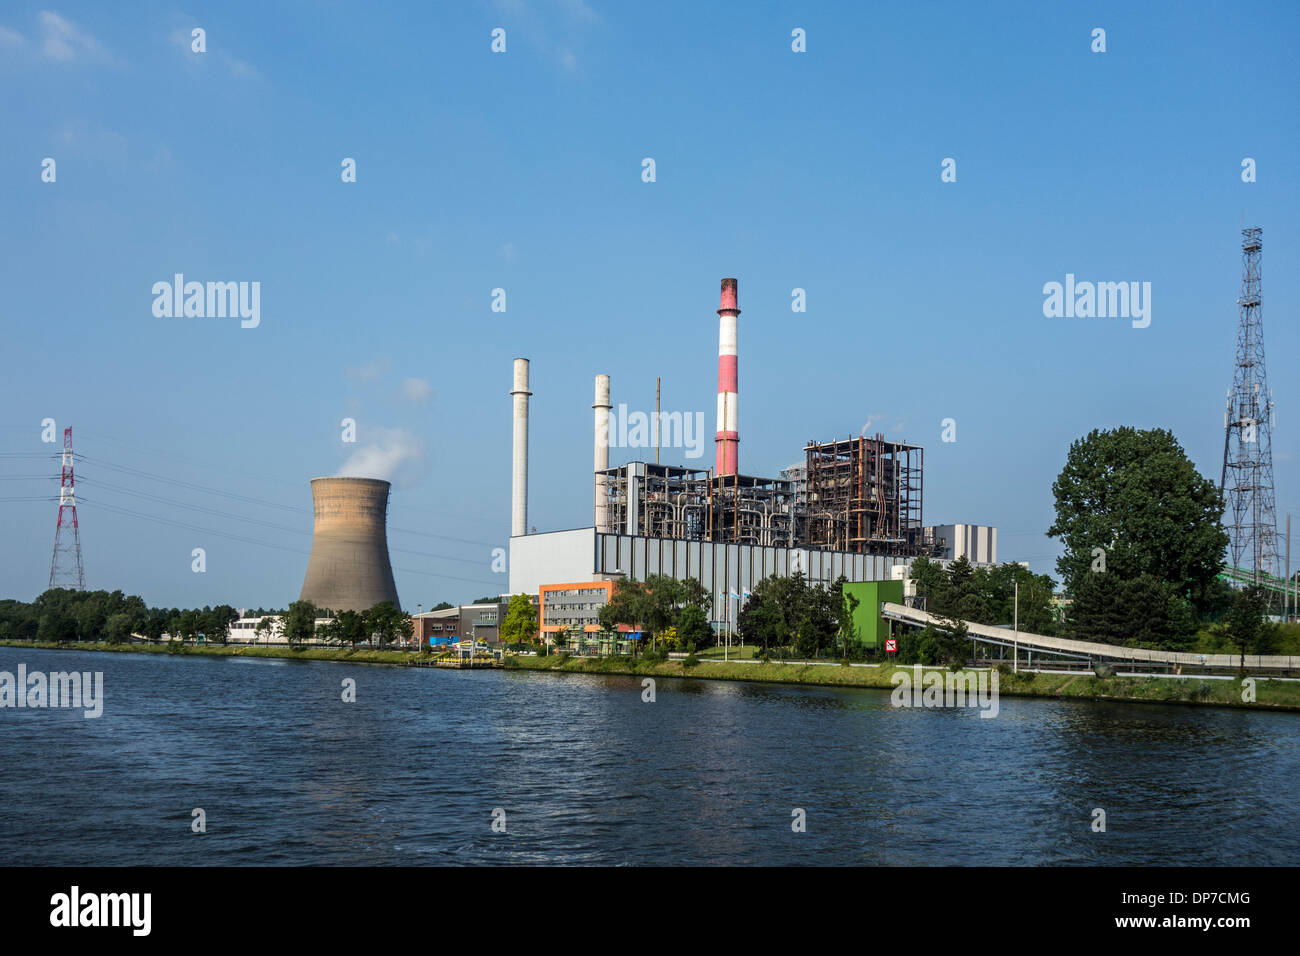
pixel 554 29
pixel 183 39
pixel 63 42
pixel 416 390
pixel 11 39
pixel 373 370
pixel 85 138
pixel 579 11
pixel 508 252
pixel 239 67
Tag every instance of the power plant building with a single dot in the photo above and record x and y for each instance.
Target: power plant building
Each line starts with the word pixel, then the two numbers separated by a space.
pixel 727 571
pixel 853 507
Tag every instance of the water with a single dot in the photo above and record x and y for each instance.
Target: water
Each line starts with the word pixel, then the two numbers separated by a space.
pixel 287 773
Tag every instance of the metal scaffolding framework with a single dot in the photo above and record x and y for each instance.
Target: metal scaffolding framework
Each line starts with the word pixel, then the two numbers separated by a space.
pixel 861 495
pixel 865 496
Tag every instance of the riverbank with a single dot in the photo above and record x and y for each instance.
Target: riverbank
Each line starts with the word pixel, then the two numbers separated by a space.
pixel 1269 694
pixel 360 655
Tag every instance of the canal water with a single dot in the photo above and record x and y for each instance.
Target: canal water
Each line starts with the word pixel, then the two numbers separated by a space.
pixel 582 771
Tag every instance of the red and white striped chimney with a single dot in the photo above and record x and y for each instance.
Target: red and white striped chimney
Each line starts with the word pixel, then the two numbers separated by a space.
pixel 728 438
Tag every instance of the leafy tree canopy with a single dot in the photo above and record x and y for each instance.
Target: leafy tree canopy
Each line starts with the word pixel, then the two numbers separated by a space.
pixel 1135 495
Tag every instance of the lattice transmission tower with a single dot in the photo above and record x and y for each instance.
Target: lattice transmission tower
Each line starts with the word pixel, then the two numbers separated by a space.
pixel 65 566
pixel 1247 478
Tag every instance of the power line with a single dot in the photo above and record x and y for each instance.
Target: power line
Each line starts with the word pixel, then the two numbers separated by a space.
pixel 255 521
pixel 154 476
pixel 224 467
pixel 265 544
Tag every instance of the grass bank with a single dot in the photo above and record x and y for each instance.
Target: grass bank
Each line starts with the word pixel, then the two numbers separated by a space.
pixel 358 655
pixel 1269 694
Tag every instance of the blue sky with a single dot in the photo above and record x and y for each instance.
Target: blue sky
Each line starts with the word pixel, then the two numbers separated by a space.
pixel 476 170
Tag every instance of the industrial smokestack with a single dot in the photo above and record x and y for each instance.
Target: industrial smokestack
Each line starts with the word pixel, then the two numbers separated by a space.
pixel 728 437
pixel 348 569
pixel 519 490
pixel 600 460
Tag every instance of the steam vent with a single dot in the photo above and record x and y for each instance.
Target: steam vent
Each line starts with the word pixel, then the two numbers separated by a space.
pixel 348 569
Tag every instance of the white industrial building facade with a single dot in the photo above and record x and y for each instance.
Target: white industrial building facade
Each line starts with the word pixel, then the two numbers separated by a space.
pixel 976 543
pixel 583 554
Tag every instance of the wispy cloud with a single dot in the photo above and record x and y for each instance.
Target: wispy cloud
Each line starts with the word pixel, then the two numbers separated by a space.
pixel 555 28
pixel 88 139
pixel 62 41
pixel 11 39
pixel 416 390
pixel 372 371
pixel 182 39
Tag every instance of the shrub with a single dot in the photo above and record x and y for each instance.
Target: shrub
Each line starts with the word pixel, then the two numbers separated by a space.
pixel 691 660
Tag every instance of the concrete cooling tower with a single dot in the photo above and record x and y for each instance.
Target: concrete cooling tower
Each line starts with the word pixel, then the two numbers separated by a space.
pixel 348 569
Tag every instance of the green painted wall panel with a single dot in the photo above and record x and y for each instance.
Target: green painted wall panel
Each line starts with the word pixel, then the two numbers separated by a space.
pixel 872 631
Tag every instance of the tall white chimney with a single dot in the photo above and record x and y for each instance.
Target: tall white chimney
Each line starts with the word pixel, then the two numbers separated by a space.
pixel 519 489
pixel 600 460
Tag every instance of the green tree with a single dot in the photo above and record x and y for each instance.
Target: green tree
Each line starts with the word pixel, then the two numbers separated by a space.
pixel 997 590
pixel 693 628
pixel 772 615
pixel 117 629
pixel 352 627
pixel 520 625
pixel 388 623
pixel 1245 621
pixel 952 640
pixel 1136 496
pixel 818 619
pixel 848 629
pixel 331 631
pixel 1137 612
pixel 654 604
pixel 54 625
pixel 300 622
pixel 929 577
pixel 217 623
pixel 189 623
pixel 155 624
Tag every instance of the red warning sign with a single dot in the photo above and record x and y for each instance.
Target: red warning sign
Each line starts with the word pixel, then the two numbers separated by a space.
pixel 891 645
